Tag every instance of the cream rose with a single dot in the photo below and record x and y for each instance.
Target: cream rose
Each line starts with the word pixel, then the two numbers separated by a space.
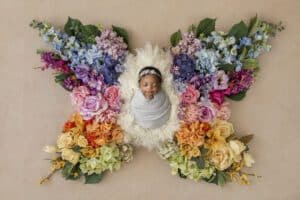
pixel 70 155
pixel 248 159
pixel 221 156
pixel 65 140
pixel 237 148
pixel 50 149
pixel 81 141
pixel 225 128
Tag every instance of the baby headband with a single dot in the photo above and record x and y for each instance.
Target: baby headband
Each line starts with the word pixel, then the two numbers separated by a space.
pixel 149 70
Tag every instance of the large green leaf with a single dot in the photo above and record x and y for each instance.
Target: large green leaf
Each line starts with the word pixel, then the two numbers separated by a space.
pixel 239 30
pixel 73 26
pixel 93 178
pixel 200 161
pixel 88 33
pixel 206 26
pixel 175 38
pixel 238 97
pixel 122 33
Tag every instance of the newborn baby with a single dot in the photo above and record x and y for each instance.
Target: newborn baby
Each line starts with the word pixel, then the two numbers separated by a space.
pixel 150 105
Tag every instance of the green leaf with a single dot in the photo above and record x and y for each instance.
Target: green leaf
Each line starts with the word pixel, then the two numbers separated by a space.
pixel 251 64
pixel 60 77
pixel 254 23
pixel 238 97
pixel 181 175
pixel 239 30
pixel 73 26
pixel 246 139
pixel 88 33
pixel 206 26
pixel 226 67
pixel 175 38
pixel 193 29
pixel 93 178
pixel 71 172
pixel 122 33
pixel 203 151
pixel 220 178
pixel 200 162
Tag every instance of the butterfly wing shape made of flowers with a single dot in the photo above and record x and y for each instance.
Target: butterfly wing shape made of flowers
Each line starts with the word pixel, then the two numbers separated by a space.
pixel 200 71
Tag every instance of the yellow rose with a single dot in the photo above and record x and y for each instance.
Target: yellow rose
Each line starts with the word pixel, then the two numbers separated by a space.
pixel 70 155
pixel 221 156
pixel 237 148
pixel 65 140
pixel 225 128
pixel 248 159
pixel 81 141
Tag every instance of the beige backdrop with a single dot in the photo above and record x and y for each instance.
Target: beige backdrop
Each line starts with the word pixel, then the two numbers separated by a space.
pixel 33 108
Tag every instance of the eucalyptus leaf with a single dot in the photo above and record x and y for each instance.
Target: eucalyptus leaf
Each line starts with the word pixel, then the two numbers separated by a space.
pixel 206 26
pixel 175 38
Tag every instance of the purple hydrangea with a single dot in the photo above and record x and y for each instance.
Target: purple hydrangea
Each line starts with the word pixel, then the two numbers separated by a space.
pixel 183 67
pixel 188 45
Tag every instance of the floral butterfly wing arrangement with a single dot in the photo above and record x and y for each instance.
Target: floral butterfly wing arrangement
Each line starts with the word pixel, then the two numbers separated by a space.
pixel 202 68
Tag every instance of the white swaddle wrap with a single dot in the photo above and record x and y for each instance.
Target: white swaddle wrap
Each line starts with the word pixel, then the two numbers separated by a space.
pixel 150 113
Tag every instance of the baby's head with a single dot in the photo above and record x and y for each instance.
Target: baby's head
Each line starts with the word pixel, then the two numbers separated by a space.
pixel 150 80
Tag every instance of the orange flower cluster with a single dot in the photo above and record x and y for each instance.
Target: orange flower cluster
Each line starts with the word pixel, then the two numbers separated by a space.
pixel 99 134
pixel 190 137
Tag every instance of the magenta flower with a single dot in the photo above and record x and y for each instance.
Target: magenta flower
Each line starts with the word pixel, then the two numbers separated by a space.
pixel 239 81
pixel 217 96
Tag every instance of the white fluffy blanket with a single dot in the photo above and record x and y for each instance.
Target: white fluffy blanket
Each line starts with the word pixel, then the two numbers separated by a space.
pixel 147 56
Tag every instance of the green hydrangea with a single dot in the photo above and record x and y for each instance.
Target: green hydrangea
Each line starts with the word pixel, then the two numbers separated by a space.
pixel 108 159
pixel 167 149
pixel 189 167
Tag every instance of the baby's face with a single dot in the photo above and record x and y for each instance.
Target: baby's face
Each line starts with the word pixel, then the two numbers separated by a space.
pixel 149 86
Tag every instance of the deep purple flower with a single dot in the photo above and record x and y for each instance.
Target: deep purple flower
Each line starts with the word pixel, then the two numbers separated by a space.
pixel 183 67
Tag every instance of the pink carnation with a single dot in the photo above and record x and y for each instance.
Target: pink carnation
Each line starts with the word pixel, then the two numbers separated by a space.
pixel 112 96
pixel 190 113
pixel 108 116
pixel 222 111
pixel 190 95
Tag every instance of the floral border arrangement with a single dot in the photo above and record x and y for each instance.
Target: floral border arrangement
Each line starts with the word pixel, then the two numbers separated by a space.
pixel 208 66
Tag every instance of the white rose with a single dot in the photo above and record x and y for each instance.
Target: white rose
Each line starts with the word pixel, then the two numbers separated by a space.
pixel 237 148
pixel 248 159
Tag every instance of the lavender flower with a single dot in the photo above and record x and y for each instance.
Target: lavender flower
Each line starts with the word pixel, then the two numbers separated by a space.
pixel 112 45
pixel 183 67
pixel 188 45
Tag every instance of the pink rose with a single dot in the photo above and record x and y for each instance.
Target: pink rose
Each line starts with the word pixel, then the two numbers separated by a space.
pixel 92 106
pixel 217 96
pixel 108 116
pixel 112 96
pixel 206 112
pixel 190 95
pixel 78 96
